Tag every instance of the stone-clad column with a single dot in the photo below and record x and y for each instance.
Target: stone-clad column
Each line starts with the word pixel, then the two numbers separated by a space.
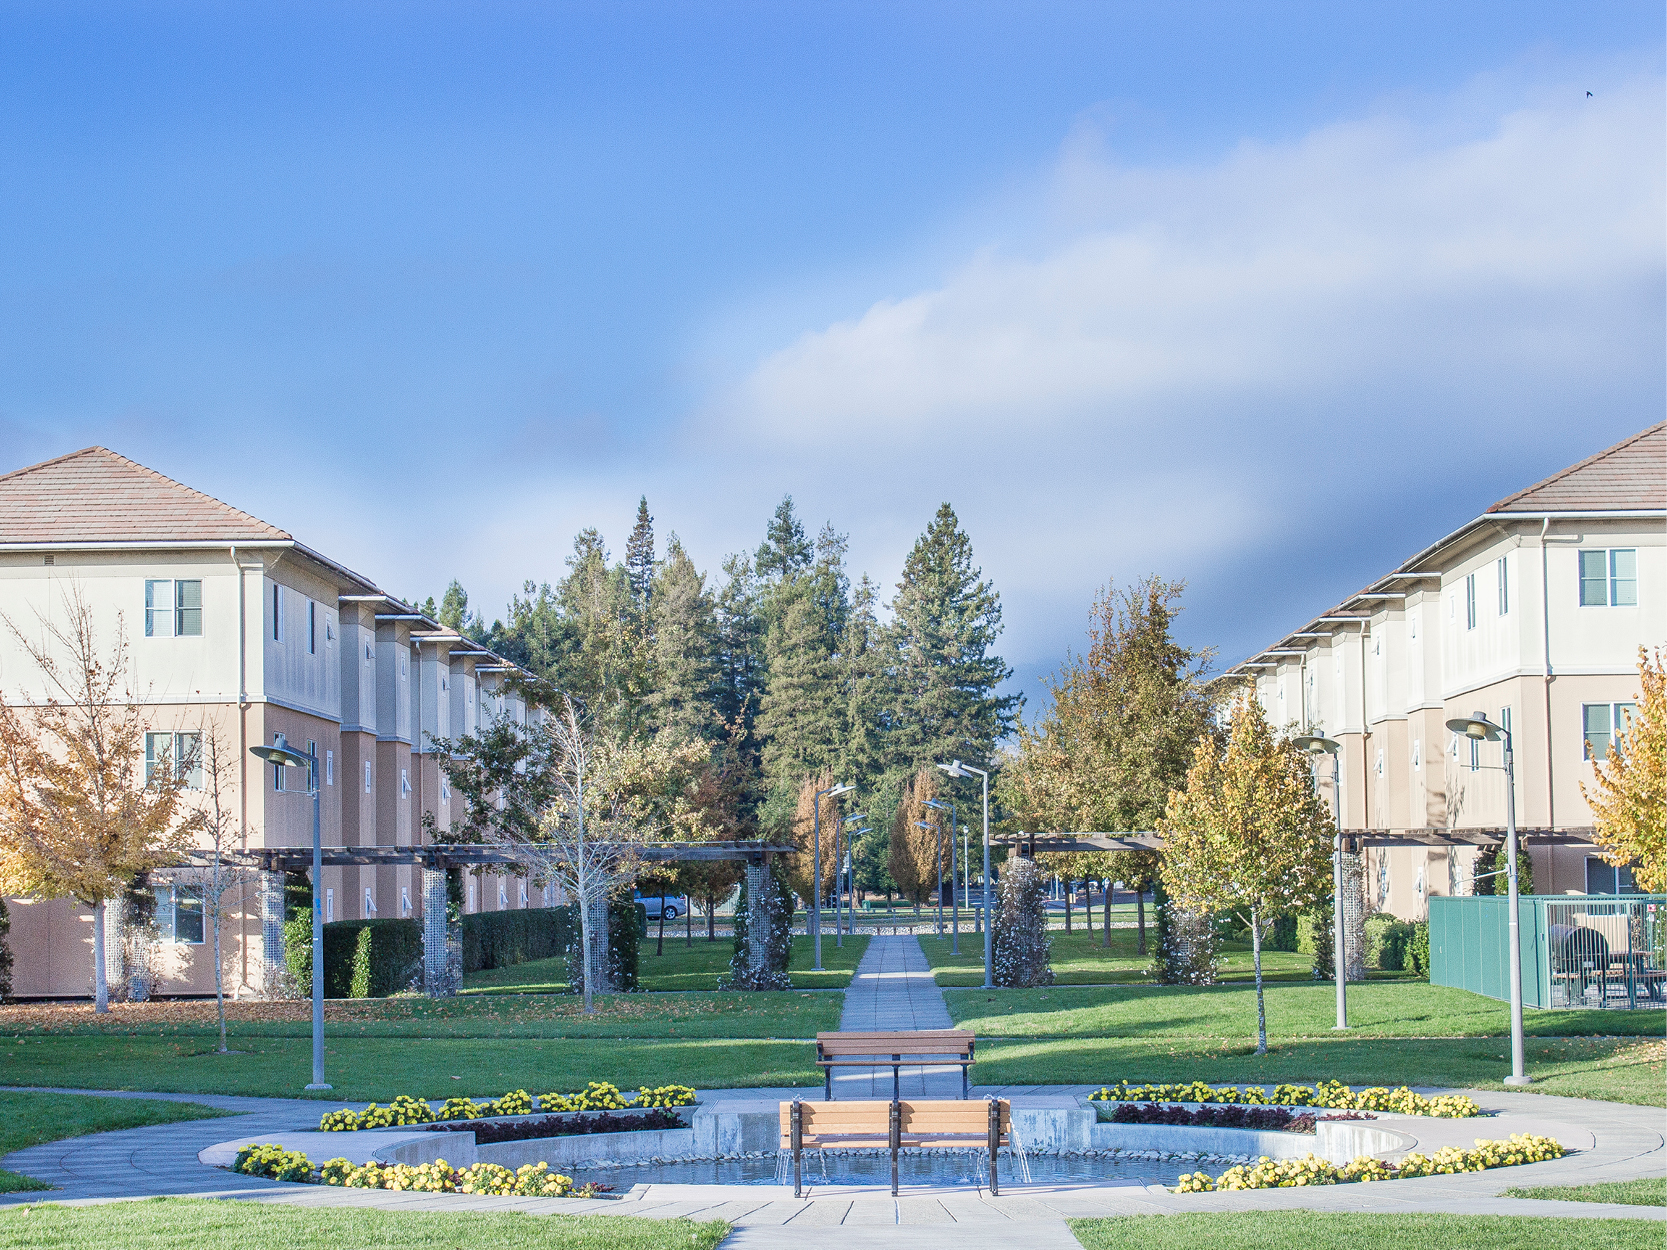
pixel 438 981
pixel 274 972
pixel 758 916
pixel 115 945
pixel 604 982
pixel 1354 917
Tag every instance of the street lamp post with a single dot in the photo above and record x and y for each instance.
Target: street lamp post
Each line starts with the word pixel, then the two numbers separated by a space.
pixel 1317 745
pixel 283 755
pixel 1478 728
pixel 842 864
pixel 958 769
pixel 954 897
pixel 816 868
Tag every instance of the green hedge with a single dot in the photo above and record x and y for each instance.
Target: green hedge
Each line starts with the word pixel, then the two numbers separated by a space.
pixel 1387 938
pixel 371 958
pixel 497 939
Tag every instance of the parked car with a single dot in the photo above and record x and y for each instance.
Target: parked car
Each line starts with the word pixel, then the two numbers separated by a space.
pixel 675 906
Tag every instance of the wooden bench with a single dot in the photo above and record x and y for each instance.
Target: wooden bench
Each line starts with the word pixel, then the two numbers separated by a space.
pixel 924 1048
pixel 984 1124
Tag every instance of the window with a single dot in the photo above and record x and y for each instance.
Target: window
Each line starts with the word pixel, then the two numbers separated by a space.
pixel 329 906
pixel 503 896
pixel 329 768
pixel 1601 722
pixel 179 914
pixel 404 900
pixel 1380 761
pixel 367 776
pixel 1417 755
pixel 1504 587
pixel 523 894
pixel 445 789
pixel 370 902
pixel 370 655
pixel 1470 601
pixel 1609 578
pixel 312 628
pixel 277 613
pixel 184 750
pixel 280 772
pixel 404 782
pixel 173 609
pixel 1604 878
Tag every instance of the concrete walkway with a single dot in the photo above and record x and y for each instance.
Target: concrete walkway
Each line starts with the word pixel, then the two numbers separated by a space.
pixel 893 990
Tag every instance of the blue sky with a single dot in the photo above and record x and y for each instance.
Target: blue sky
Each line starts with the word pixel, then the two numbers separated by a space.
pixel 1265 297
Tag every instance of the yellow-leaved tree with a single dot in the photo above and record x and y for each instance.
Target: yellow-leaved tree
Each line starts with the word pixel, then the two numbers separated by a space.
pixel 1629 799
pixel 1248 834
pixel 82 819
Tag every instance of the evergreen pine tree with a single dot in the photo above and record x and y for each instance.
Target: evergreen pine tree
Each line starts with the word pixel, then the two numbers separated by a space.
pixel 863 682
pixel 639 555
pixel 945 621
pixel 454 607
pixel 740 624
pixel 607 664
pixel 684 695
pixel 800 721
pixel 785 552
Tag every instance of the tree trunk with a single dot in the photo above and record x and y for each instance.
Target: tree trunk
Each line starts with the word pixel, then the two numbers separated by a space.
pixel 1068 884
pixel 711 920
pixel 1140 921
pixel 1261 1007
pixel 585 961
pixel 689 923
pixel 219 977
pixel 1106 941
pixel 101 991
pixel 660 942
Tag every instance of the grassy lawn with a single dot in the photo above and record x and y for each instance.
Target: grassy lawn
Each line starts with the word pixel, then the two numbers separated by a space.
pixel 651 1016
pixel 1079 959
pixel 1296 1009
pixel 1649 1192
pixel 30 1119
pixel 1302 1230
pixel 367 1068
pixel 696 967
pixel 1615 1069
pixel 161 1222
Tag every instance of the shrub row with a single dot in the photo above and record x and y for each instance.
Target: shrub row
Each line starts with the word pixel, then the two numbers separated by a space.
pixel 497 939
pixel 1326 1094
pixel 1277 1119
pixel 487 1131
pixel 597 1096
pixel 535 1180
pixel 1285 1173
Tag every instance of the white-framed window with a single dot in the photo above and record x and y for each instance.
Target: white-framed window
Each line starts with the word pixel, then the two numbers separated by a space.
pixel 370 902
pixel 1609 578
pixel 280 772
pixel 404 900
pixel 471 894
pixel 370 655
pixel 1412 626
pixel 1502 569
pixel 184 752
pixel 179 914
pixel 312 628
pixel 1380 762
pixel 404 782
pixel 329 906
pixel 1417 755
pixel 173 609
pixel 443 686
pixel 329 768
pixel 277 613
pixel 523 894
pixel 1604 878
pixel 503 895
pixel 1601 722
pixel 445 789
pixel 1470 601
pixel 367 776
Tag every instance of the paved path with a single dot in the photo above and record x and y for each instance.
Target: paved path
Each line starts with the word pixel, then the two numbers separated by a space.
pixel 893 990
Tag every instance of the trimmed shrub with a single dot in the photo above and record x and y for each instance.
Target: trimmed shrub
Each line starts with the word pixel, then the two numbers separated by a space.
pixel 1314 937
pixel 1283 935
pixel 1499 881
pixel 371 958
pixel 497 939
pixel 1418 950
pixel 1386 942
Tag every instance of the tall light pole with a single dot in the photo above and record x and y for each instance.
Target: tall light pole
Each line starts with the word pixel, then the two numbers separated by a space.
pixel 955 895
pixel 816 868
pixel 958 769
pixel 1317 746
pixel 1478 728
pixel 842 864
pixel 283 755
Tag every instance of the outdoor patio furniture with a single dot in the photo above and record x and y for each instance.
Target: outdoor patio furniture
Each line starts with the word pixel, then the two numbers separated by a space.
pixel 924 1048
pixel 891 1126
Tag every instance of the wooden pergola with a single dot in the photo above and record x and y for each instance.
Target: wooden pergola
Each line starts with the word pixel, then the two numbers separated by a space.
pixel 1354 840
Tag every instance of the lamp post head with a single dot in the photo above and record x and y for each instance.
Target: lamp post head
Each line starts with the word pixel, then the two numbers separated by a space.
pixel 1478 727
pixel 921 824
pixel 281 754
pixel 942 807
pixel 856 817
pixel 955 769
pixel 1315 744
pixel 842 788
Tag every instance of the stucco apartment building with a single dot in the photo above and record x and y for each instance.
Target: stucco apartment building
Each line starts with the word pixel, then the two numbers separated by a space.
pixel 236 629
pixel 1533 613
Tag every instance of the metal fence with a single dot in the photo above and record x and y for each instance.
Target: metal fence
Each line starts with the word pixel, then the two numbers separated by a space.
pixel 1578 951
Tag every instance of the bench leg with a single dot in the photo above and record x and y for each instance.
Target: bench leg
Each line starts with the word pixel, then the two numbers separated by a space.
pixel 827 1084
pixel 995 1145
pixel 896 1088
pixel 896 1140
pixel 963 1081
pixel 797 1123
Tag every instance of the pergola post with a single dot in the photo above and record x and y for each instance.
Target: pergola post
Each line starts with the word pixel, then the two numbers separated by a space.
pixel 438 981
pixel 758 916
pixel 273 966
pixel 115 945
pixel 599 948
pixel 1353 904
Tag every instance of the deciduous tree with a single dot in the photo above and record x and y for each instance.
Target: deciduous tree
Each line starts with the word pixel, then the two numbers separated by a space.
pixel 1248 834
pixel 1629 794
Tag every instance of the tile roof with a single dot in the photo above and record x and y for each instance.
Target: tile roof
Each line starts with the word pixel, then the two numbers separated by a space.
pixel 1629 476
pixel 97 496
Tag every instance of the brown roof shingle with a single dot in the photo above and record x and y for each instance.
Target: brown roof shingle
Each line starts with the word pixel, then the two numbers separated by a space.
pixel 1630 476
pixel 97 496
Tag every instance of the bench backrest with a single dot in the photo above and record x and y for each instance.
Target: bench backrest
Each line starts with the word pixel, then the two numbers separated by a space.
pixel 922 1042
pixel 963 1117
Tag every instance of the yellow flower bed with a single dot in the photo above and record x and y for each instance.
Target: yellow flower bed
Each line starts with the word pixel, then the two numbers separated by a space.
pixel 1333 1095
pixel 1268 1173
pixel 597 1096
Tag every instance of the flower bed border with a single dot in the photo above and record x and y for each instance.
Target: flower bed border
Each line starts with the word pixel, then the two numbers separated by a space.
pixel 1267 1173
pixel 405 1111
pixel 1332 1095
